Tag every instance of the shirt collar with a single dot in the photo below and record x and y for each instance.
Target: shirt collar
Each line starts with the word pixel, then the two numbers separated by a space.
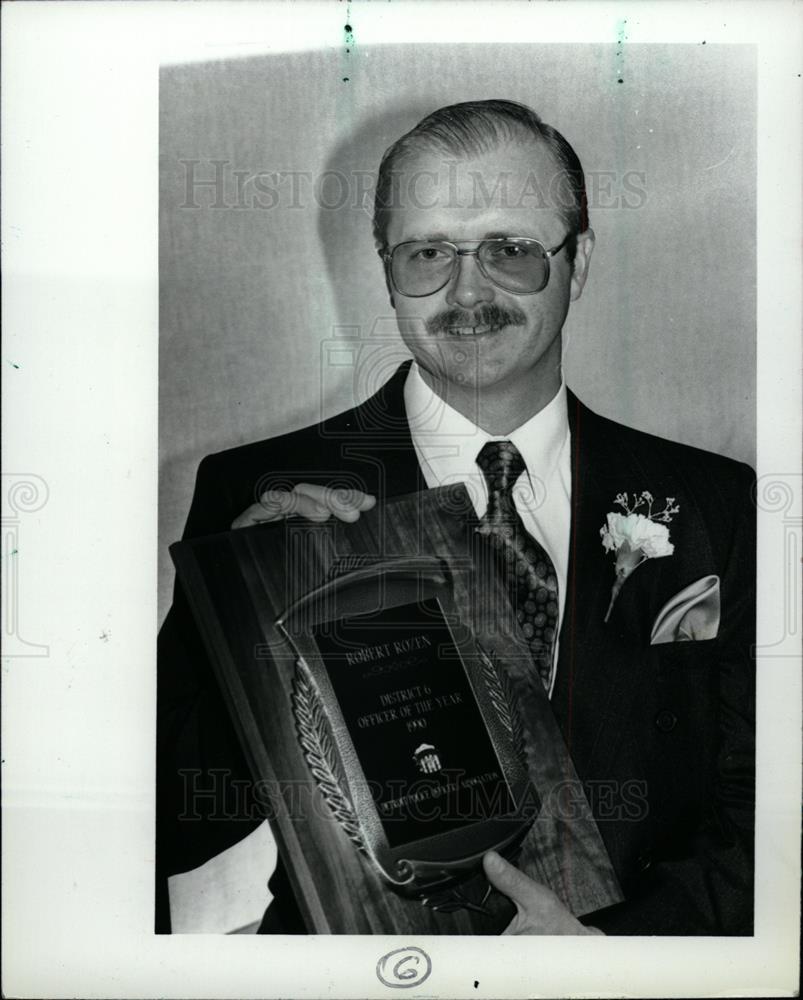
pixel 449 442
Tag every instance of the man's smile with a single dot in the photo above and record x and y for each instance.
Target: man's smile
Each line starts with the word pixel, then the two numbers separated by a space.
pixel 473 331
pixel 486 320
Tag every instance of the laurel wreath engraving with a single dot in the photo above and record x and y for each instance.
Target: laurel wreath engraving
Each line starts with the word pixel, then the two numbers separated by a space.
pixel 317 742
pixel 503 698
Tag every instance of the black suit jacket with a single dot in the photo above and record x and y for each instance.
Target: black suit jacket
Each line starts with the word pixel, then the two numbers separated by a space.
pixel 661 736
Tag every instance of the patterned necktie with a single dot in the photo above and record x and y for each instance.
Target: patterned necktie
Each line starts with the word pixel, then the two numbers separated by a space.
pixel 530 574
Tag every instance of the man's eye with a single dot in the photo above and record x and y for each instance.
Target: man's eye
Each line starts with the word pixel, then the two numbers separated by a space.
pixel 430 253
pixel 511 250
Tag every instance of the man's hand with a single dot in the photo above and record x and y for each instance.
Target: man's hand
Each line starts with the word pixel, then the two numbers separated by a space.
pixel 538 909
pixel 315 503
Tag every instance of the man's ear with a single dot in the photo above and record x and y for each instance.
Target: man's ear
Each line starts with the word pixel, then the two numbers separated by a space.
pixel 386 267
pixel 582 258
pixel 389 287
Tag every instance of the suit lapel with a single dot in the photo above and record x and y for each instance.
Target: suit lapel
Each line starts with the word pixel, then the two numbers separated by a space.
pixel 383 439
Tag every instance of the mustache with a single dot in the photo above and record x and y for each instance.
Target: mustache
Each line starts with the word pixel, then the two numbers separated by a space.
pixel 491 314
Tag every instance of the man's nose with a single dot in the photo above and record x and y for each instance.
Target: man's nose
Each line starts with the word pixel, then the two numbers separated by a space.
pixel 469 286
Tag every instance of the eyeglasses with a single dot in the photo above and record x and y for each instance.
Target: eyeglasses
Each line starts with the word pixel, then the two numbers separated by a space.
pixel 423 267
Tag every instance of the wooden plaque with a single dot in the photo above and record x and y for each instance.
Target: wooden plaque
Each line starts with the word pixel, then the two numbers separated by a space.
pixel 388 708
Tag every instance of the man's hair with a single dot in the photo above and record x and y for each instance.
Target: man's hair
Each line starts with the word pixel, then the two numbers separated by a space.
pixel 471 129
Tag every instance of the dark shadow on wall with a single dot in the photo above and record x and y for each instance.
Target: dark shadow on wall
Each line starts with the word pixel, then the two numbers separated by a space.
pixel 371 346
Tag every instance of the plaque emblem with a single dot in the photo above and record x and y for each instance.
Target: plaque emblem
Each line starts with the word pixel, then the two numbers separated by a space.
pixel 426 758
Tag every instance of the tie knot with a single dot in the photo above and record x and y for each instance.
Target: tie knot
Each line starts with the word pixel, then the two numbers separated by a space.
pixel 501 464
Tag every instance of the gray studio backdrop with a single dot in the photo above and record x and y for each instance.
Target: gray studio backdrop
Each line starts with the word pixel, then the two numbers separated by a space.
pixel 273 307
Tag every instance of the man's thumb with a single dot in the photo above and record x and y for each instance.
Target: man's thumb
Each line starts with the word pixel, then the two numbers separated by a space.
pixel 507 879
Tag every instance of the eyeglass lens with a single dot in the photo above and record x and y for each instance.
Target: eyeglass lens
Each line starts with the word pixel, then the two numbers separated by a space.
pixel 422 268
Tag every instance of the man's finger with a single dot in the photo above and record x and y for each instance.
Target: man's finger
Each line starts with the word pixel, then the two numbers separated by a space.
pixel 309 508
pixel 308 500
pixel 276 505
pixel 273 505
pixel 346 504
pixel 509 880
pixel 538 909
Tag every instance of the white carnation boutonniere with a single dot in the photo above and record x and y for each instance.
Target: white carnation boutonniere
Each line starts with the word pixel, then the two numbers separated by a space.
pixel 635 537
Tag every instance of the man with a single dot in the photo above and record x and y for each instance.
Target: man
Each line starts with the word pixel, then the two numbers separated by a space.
pixel 482 228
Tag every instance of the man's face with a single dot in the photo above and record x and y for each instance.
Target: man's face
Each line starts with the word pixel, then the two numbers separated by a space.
pixel 473 335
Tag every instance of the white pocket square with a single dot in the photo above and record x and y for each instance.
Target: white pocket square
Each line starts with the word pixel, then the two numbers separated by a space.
pixel 691 615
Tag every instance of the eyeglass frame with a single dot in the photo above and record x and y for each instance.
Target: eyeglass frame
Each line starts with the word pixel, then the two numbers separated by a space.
pixel 386 253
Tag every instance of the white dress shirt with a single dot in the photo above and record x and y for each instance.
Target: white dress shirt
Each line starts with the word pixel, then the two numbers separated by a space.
pixel 447 445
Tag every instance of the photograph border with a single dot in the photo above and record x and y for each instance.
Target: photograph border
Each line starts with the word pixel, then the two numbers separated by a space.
pixel 80 323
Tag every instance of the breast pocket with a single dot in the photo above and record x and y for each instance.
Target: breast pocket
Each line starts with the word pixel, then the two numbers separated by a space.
pixel 687 687
pixel 668 657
